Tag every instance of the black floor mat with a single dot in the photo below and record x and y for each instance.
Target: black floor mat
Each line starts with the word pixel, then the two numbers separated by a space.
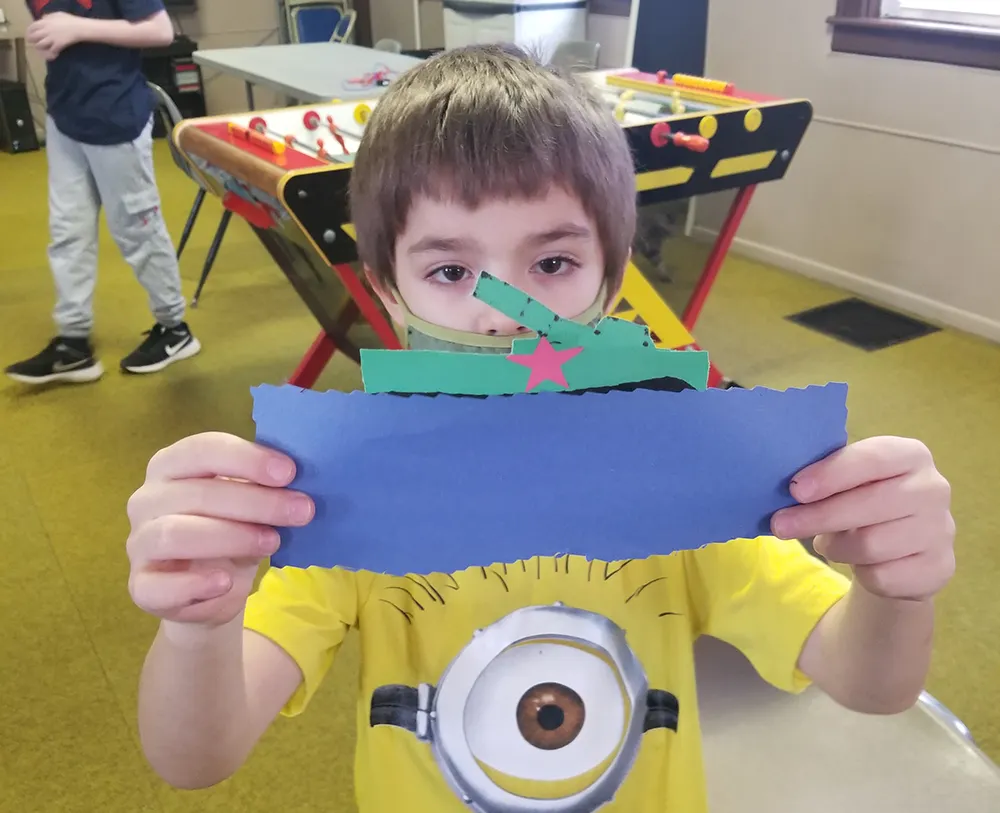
pixel 862 324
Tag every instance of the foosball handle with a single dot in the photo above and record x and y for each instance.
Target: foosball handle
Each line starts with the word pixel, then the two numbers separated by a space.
pixel 695 143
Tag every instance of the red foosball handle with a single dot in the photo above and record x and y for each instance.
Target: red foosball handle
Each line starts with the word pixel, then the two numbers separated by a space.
pixel 695 143
pixel 660 136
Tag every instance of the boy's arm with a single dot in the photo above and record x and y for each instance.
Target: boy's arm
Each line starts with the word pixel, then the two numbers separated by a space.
pixel 206 696
pixel 881 507
pixel 202 523
pixel 871 653
pixel 153 31
pixel 55 32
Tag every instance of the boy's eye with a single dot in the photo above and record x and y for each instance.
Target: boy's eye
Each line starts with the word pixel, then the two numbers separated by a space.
pixel 450 273
pixel 554 265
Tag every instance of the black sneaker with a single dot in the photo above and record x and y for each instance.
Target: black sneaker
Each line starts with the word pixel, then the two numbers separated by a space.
pixel 64 359
pixel 161 348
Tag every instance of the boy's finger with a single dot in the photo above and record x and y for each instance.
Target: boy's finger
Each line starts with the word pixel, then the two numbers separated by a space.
pixel 867 461
pixel 221 499
pixel 185 537
pixel 871 504
pixel 215 454
pixel 159 592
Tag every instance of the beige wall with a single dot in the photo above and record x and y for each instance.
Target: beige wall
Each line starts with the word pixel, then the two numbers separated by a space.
pixel 397 19
pixel 216 24
pixel 612 33
pixel 18 18
pixel 896 192
pixel 232 24
pixel 431 23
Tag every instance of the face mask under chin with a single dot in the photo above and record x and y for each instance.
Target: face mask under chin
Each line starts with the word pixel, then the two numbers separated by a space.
pixel 422 335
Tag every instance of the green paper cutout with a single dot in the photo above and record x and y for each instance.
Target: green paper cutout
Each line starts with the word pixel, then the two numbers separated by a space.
pixel 560 332
pixel 615 352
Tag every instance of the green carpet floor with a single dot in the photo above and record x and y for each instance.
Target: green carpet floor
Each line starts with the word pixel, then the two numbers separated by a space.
pixel 72 643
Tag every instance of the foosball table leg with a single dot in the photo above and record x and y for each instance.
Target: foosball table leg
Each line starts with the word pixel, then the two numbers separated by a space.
pixel 313 362
pixel 717 256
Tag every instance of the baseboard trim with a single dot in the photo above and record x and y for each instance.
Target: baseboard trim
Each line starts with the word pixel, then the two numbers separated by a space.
pixel 878 292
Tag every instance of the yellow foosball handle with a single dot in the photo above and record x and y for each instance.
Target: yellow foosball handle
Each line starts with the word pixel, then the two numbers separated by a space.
pixel 624 99
pixel 701 83
pixel 362 113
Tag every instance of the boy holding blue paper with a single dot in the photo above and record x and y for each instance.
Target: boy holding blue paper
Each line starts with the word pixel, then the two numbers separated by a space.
pixel 546 683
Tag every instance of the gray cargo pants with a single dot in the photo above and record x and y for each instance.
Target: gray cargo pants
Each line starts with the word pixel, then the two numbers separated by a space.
pixel 82 178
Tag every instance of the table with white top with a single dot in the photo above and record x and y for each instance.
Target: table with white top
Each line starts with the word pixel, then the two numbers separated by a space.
pixel 307 72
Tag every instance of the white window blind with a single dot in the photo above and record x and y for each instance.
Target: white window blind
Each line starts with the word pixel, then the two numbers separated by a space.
pixel 966 12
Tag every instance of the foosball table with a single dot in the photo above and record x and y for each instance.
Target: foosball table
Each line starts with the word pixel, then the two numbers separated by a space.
pixel 287 173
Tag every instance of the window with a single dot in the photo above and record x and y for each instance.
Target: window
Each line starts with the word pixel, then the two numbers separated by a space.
pixel 955 32
pixel 964 12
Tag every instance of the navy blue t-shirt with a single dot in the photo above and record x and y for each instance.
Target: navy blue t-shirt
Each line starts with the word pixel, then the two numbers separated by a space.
pixel 96 93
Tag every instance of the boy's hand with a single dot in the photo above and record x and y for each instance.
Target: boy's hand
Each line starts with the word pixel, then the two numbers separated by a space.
pixel 882 507
pixel 202 522
pixel 54 33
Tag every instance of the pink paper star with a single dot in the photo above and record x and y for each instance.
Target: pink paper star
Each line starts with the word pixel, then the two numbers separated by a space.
pixel 545 363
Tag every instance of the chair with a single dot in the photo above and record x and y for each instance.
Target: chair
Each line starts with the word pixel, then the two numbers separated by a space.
pixel 172 117
pixel 310 21
pixel 765 749
pixel 389 46
pixel 577 55
pixel 345 27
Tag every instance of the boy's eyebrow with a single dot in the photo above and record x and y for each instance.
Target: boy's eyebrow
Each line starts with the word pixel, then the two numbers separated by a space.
pixel 560 232
pixel 434 243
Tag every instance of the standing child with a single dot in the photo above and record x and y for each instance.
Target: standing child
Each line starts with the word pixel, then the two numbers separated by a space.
pixel 99 146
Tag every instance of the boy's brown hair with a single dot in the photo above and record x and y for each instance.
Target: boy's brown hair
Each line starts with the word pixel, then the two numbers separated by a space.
pixel 486 122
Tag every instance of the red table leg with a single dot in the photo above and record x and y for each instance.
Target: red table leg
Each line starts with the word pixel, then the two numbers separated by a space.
pixel 313 362
pixel 369 307
pixel 717 256
pixel 361 305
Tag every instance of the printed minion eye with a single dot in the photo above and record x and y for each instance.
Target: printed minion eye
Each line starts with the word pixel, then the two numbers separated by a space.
pixel 544 710
pixel 527 722
pixel 550 716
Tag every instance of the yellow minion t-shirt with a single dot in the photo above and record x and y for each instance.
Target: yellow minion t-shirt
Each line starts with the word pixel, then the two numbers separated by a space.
pixel 549 684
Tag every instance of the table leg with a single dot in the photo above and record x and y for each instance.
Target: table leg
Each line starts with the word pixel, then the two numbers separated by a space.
pixel 717 256
pixel 367 307
pixel 313 362
pixel 323 347
pixel 250 102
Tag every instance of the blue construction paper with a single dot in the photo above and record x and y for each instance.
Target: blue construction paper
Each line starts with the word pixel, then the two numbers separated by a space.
pixel 438 484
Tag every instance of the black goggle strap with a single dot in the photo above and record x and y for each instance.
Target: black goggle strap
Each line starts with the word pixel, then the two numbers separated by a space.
pixel 401 706
pixel 409 707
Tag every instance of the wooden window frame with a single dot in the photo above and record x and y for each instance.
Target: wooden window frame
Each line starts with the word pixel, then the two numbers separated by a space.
pixel 859 28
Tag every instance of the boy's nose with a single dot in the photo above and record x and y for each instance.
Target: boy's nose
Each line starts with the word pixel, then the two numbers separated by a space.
pixel 501 326
pixel 494 323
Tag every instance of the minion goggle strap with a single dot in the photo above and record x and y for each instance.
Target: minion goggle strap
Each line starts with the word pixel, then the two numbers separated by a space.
pixel 410 707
